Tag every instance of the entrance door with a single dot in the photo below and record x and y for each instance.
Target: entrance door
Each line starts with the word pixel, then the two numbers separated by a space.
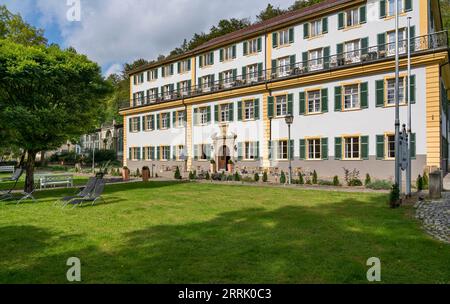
pixel 224 157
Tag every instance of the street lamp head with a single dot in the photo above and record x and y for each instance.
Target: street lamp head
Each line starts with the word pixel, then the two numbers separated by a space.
pixel 289 119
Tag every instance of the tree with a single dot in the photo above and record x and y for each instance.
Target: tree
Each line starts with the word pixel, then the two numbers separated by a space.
pixel 299 4
pixel 12 27
pixel 269 12
pixel 47 96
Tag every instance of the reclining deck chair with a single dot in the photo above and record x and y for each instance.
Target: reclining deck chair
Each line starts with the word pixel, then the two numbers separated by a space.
pixel 7 194
pixel 92 198
pixel 90 186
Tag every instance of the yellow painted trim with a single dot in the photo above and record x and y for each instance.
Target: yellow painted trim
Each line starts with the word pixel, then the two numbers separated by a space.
pixel 307 101
pixel 343 147
pixel 193 71
pixel 382 67
pixel 423 13
pixel 268 55
pixel 188 144
pixel 386 78
pixel 358 83
pixel 433 117
pixel 386 145
pixel 307 140
pixel 125 148
pixel 266 128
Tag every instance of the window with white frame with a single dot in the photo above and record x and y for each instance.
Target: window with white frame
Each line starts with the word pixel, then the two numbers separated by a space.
pixel 314 101
pixel 135 153
pixel 203 151
pixel 282 150
pixel 139 98
pixel 184 66
pixel 203 115
pixel 135 124
pixel 167 70
pixel 228 53
pixel 351 97
pixel 224 112
pixel 401 41
pixel 391 7
pixel 250 150
pixel 207 59
pixel 184 87
pixel 167 91
pixel 314 148
pixel 227 78
pixel 283 37
pixel 180 119
pixel 316 59
pixel 249 110
pixel 152 94
pixel 252 72
pixel 281 105
pixel 139 78
pixel 152 75
pixel 165 120
pixel 352 17
pixel 149 153
pixel 149 123
pixel 390 145
pixel 207 82
pixel 352 147
pixel 283 66
pixel 253 46
pixel 352 50
pixel 165 153
pixel 180 152
pixel 316 28
pixel 390 92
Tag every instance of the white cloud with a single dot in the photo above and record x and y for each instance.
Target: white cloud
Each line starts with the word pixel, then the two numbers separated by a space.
pixel 113 32
pixel 113 69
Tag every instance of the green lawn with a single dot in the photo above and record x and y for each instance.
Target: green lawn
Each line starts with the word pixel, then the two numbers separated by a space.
pixel 202 233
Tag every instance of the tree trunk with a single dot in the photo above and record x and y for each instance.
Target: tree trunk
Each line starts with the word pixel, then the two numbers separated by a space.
pixel 29 181
pixel 43 159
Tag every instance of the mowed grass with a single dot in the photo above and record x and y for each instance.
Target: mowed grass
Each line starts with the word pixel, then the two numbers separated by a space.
pixel 162 232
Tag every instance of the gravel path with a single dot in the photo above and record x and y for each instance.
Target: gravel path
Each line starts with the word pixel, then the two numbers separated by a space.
pixel 435 216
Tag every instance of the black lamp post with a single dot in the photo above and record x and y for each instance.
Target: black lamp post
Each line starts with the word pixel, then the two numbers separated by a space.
pixel 289 120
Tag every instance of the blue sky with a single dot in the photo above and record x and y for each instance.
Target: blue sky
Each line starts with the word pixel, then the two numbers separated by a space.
pixel 112 32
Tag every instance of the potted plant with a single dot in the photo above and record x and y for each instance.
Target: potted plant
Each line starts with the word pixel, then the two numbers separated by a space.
pixel 230 165
pixel 212 166
pixel 125 173
pixel 145 174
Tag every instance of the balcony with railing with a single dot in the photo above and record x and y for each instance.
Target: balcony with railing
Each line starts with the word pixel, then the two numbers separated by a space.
pixel 421 44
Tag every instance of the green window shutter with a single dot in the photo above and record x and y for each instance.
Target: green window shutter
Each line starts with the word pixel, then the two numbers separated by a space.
pixel 326 55
pixel 364 45
pixel 208 114
pixel 412 34
pixel 413 145
pixel 130 153
pixel 163 72
pixel 340 21
pixel 130 125
pixel 292 59
pixel 364 92
pixel 270 106
pixel 380 93
pixel 179 67
pixel 139 125
pixel 240 151
pixel 158 153
pixel 302 101
pixel 257 108
pixel 168 121
pixel 231 112
pixel 174 118
pixel 338 148
pixel 234 74
pixel 338 99
pixel 381 41
pixel 200 61
pixel 290 104
pixel 292 149
pixel 156 74
pixel 233 51
pixel 362 14
pixel 260 69
pixel 195 152
pixel 325 25
pixel 153 123
pixel 302 149
pixel 306 30
pixel 244 71
pixel 211 58
pixel 199 82
pixel 324 143
pixel 408 5
pixel 382 8
pixel 216 113
pixel 239 110
pixel 172 69
pixel 412 89
pixel 195 118
pixel 189 64
pixel 259 44
pixel 291 35
pixel 340 48
pixel 269 146
pixel 324 94
pixel 305 61
pixel 138 153
pixel 174 152
pixel 178 86
pixel 365 147
pixel 275 40
pixel 152 153
pixel 157 121
pixel 221 55
pixel 245 46
pixel 274 65
pixel 257 154
pixel 380 147
pixel 220 77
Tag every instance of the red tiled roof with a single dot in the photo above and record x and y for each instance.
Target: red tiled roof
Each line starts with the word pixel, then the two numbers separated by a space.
pixel 254 29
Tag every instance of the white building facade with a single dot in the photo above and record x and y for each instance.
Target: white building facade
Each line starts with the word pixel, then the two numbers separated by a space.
pixel 331 66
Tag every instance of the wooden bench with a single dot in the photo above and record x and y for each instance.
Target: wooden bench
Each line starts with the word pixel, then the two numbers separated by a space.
pixel 55 180
pixel 9 169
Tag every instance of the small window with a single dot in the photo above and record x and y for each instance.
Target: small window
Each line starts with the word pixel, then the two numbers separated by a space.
pixel 152 94
pixel 167 70
pixel 228 53
pixel 165 121
pixel 282 150
pixel 316 28
pixel 250 150
pixel 227 78
pixel 391 42
pixel 180 155
pixel 351 97
pixel 249 110
pixel 184 87
pixel 352 48
pixel 391 7
pixel 135 153
pixel 135 124
pixel 207 59
pixel 253 46
pixel 284 66
pixel 139 78
pixel 207 82
pixel 152 75
pixel 281 102
pixel 184 66
pixel 165 153
pixel 149 153
pixel 316 59
pixel 352 17
pixel 390 145
pixel 180 119
pixel 390 98
pixel 224 112
pixel 283 37
pixel 149 123
pixel 203 115
pixel 314 101
pixel 252 73
pixel 314 149
pixel 352 147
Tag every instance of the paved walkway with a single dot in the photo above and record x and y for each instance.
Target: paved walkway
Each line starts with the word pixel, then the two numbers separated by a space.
pixel 435 216
pixel 447 182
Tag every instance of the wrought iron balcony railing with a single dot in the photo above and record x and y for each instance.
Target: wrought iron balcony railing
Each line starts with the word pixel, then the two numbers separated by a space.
pixel 435 41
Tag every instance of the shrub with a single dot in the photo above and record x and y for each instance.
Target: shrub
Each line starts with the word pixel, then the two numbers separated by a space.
pixel 325 182
pixel 237 177
pixel 394 197
pixel 177 174
pixel 314 178
pixel 138 173
pixel 425 180
pixel 379 185
pixel 308 182
pixel 191 175
pixel 223 177
pixel 301 181
pixel 207 176
pixel 352 178
pixel 247 179
pixel 419 183
pixel 282 178
pixel 265 177
pixel 230 178
pixel 355 183
pixel 368 180
pixel 336 182
pixel 256 177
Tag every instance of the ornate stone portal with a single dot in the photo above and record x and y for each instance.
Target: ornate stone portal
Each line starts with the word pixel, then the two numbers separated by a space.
pixel 224 145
